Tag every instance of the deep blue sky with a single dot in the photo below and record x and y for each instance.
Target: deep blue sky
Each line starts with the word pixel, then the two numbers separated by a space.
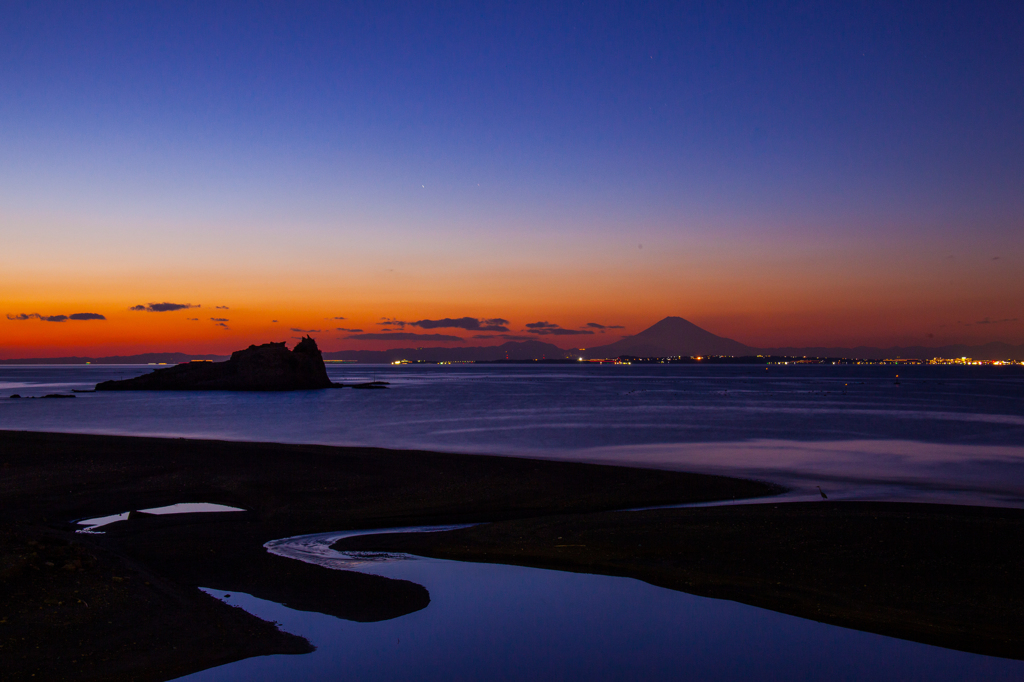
pixel 539 141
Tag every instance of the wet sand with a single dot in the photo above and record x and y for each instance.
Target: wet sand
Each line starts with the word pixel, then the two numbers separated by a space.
pixel 129 608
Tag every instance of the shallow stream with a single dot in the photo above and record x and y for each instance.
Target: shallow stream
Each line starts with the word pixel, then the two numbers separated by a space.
pixel 498 622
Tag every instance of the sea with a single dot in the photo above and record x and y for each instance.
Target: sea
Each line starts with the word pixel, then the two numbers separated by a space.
pixel 935 433
pixel 951 434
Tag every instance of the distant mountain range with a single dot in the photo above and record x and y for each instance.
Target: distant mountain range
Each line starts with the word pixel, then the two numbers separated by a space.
pixel 669 337
pixel 512 350
pixel 140 359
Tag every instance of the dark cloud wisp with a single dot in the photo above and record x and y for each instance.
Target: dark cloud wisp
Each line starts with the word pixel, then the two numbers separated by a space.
pixel 403 336
pixel 550 329
pixel 37 316
pixel 496 324
pixel 56 318
pixel 163 307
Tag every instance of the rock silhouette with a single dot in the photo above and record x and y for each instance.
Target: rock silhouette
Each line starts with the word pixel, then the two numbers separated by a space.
pixel 269 367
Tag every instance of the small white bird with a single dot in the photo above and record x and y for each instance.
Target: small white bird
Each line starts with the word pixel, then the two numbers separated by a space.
pixel 823 495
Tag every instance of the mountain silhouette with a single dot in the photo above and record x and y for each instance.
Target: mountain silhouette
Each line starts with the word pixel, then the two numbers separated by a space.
pixel 671 336
pixel 511 350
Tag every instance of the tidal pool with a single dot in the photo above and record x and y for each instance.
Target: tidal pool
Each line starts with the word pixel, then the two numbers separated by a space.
pixel 181 508
pixel 497 622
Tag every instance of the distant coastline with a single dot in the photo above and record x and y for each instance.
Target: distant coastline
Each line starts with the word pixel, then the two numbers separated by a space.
pixel 140 359
pixel 495 354
pixel 672 337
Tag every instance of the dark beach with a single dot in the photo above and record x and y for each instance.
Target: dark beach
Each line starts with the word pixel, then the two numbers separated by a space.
pixel 124 605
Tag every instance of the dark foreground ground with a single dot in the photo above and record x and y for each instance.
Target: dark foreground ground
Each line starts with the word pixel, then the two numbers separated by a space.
pixel 124 605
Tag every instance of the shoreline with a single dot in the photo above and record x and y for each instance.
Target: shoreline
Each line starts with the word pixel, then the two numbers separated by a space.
pixel 944 575
pixel 890 486
pixel 57 622
pixel 812 560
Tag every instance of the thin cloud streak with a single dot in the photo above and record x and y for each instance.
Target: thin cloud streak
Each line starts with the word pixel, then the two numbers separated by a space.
pixel 56 318
pixel 496 324
pixel 404 336
pixel 550 329
pixel 164 307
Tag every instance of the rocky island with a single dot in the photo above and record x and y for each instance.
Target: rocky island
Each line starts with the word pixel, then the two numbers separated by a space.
pixel 268 367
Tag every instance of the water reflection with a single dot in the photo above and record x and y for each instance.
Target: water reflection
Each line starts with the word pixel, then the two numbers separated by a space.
pixel 494 622
pixel 181 508
pixel 316 548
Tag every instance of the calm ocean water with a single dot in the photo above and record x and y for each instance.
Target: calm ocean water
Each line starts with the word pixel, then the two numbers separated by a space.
pixel 861 432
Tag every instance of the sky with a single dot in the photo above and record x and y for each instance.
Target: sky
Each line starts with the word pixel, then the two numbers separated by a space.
pixel 206 175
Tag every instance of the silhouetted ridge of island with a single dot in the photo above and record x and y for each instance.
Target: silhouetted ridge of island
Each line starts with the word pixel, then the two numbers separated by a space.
pixel 511 350
pixel 269 367
pixel 166 358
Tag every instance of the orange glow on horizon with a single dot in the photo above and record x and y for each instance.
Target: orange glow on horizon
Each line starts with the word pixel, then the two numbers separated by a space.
pixel 809 297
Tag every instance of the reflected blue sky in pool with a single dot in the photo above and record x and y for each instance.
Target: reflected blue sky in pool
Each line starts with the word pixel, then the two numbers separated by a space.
pixel 493 622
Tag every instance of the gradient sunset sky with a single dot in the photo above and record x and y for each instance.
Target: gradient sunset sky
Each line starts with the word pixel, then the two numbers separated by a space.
pixel 779 173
